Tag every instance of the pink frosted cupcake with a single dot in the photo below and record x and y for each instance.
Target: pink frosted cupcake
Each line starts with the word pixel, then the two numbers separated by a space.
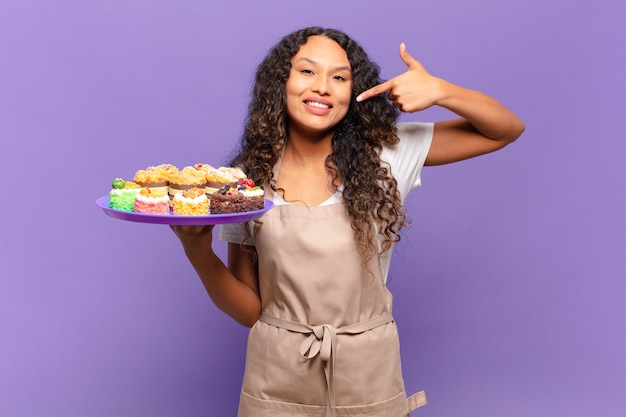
pixel 152 201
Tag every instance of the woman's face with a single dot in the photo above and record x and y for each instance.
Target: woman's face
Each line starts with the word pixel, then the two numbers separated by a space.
pixel 319 87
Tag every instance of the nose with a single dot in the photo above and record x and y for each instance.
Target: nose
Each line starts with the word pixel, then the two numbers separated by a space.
pixel 321 85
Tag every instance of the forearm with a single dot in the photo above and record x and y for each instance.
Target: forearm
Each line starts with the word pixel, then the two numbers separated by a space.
pixel 229 294
pixel 486 114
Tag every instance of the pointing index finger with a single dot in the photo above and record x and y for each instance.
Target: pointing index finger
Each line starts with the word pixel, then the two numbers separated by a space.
pixel 374 91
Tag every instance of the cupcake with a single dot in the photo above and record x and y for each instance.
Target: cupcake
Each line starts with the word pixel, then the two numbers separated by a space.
pixel 206 168
pixel 222 176
pixel 191 202
pixel 169 169
pixel 187 178
pixel 152 201
pixel 245 197
pixel 123 195
pixel 156 177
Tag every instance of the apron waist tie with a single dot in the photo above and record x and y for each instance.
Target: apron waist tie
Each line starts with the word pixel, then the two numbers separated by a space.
pixel 322 341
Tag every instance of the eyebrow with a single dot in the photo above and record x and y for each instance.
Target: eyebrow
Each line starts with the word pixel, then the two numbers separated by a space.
pixel 310 61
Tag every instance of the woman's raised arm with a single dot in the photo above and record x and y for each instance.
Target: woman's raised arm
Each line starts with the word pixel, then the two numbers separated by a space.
pixel 484 125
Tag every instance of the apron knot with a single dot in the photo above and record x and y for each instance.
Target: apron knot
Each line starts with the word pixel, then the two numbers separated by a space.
pixel 320 342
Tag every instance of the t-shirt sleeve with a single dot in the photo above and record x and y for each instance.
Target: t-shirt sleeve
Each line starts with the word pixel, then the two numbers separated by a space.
pixel 407 157
pixel 236 233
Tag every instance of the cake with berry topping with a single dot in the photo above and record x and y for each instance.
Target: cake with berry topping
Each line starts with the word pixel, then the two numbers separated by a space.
pixel 152 201
pixel 245 197
pixel 123 195
pixel 190 202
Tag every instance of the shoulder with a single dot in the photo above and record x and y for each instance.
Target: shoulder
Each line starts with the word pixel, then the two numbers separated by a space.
pixel 406 158
pixel 415 138
pixel 415 131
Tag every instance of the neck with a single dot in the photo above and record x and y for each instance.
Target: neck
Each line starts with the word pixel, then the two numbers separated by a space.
pixel 308 149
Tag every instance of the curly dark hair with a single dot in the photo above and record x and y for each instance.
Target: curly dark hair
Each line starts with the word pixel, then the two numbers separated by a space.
pixel 370 192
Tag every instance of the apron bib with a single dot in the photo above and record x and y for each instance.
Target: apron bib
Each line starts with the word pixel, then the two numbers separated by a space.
pixel 326 344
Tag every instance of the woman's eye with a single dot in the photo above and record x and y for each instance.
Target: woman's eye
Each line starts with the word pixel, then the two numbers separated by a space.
pixel 307 71
pixel 339 77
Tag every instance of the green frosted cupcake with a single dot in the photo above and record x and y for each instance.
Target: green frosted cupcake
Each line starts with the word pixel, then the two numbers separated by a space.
pixel 123 195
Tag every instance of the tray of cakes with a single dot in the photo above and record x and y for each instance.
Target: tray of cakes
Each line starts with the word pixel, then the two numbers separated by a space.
pixel 195 195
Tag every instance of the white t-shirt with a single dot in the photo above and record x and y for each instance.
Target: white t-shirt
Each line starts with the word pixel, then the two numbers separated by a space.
pixel 405 160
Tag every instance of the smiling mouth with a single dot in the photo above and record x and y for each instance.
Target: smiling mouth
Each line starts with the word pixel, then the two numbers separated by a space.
pixel 317 104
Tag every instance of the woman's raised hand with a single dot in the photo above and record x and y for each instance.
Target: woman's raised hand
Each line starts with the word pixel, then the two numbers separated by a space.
pixel 412 91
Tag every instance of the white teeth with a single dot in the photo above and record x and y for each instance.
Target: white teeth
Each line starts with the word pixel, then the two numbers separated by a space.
pixel 318 105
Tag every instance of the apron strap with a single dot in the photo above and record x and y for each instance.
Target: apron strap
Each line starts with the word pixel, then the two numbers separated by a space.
pixel 322 341
pixel 416 401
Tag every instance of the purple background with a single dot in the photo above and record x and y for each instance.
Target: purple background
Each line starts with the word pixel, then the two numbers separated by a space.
pixel 509 288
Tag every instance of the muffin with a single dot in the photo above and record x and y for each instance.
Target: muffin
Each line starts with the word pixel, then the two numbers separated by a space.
pixel 155 177
pixel 186 179
pixel 218 178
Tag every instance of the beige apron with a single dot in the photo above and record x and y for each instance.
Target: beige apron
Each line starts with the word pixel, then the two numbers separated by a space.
pixel 326 344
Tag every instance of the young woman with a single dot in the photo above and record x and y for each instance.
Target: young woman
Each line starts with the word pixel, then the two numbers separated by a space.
pixel 309 277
